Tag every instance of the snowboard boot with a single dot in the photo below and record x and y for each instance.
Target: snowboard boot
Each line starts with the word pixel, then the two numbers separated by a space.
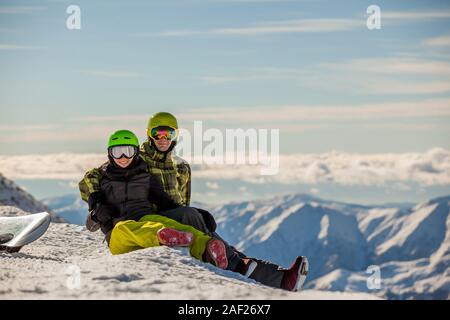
pixel 91 225
pixel 6 237
pixel 246 267
pixel 175 238
pixel 295 276
pixel 10 249
pixel 216 253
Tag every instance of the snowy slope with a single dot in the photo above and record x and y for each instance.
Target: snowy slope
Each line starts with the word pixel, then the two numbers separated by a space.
pixel 80 267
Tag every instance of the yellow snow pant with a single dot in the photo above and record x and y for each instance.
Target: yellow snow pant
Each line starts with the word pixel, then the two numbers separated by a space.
pixel 130 235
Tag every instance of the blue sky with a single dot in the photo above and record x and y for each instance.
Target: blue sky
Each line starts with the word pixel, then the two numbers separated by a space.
pixel 310 68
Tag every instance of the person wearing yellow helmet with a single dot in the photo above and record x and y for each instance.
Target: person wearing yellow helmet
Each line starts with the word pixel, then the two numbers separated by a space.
pixel 174 175
pixel 162 130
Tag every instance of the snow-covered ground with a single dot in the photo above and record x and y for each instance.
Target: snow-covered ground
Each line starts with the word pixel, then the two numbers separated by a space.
pixel 69 262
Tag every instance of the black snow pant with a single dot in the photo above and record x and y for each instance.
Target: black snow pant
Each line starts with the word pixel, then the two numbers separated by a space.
pixel 266 272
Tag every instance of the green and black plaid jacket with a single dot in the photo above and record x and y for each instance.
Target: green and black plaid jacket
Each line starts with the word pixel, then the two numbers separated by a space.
pixel 173 173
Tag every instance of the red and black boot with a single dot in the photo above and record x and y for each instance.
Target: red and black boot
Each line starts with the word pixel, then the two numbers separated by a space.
pixel 175 238
pixel 216 253
pixel 246 267
pixel 295 276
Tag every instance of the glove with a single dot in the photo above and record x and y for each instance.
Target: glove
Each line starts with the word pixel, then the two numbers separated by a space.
pixel 91 222
pixel 104 213
pixel 95 199
pixel 209 219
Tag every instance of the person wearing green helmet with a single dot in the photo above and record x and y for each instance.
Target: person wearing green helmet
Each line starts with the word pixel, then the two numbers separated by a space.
pixel 173 172
pixel 124 207
pixel 174 176
pixel 123 146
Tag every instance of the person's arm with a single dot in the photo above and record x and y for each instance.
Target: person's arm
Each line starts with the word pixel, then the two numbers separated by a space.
pixel 185 184
pixel 159 197
pixel 90 183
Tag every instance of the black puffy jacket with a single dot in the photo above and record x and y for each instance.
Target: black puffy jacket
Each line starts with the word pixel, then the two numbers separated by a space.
pixel 133 192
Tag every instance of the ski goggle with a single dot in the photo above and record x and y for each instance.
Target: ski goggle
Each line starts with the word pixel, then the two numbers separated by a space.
pixel 163 132
pixel 118 152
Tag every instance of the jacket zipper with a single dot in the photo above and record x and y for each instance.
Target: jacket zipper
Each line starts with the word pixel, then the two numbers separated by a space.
pixel 125 209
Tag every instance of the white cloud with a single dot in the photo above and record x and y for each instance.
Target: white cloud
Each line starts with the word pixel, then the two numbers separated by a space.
pixel 443 41
pixel 264 73
pixel 68 184
pixel 20 9
pixel 397 75
pixel 251 1
pixel 402 87
pixel 212 185
pixel 370 75
pixel 301 25
pixel 28 128
pixel 53 166
pixel 415 15
pixel 11 47
pixel 225 79
pixel 276 115
pixel 67 132
pixel 269 28
pixel 427 168
pixel 395 66
pixel 291 118
pixel 314 191
pixel 111 73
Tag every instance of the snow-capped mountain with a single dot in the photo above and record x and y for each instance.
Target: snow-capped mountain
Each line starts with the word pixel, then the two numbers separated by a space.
pixel 406 234
pixel 12 196
pixel 70 207
pixel 409 245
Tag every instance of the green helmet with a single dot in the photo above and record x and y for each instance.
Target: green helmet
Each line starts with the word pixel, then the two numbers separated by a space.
pixel 123 138
pixel 162 119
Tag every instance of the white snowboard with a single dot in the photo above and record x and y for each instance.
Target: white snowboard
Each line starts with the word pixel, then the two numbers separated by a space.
pixel 23 230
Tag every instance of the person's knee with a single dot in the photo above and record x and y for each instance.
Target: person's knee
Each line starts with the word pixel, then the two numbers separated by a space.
pixel 194 218
pixel 191 211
